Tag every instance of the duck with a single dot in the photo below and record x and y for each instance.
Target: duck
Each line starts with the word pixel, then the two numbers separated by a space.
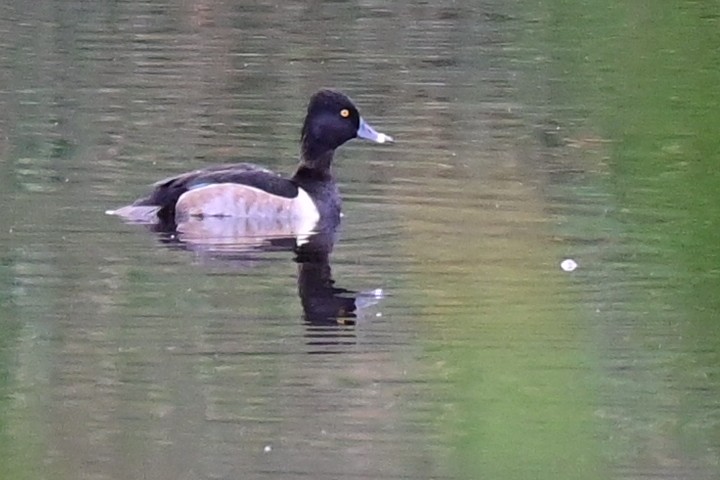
pixel 251 192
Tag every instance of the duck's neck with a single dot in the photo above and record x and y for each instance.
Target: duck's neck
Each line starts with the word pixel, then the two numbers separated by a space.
pixel 315 176
pixel 315 162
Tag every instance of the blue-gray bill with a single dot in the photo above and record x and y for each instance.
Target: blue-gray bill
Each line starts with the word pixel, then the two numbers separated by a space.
pixel 368 133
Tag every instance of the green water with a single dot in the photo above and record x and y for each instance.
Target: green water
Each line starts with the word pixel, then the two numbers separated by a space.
pixel 631 87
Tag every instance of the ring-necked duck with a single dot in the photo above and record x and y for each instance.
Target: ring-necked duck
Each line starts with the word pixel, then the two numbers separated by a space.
pixel 248 191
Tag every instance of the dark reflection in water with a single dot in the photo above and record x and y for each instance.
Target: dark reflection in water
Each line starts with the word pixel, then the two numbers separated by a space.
pixel 217 241
pixel 322 301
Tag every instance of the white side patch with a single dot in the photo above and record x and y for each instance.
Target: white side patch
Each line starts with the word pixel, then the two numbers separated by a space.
pixel 308 219
pixel 305 207
pixel 243 201
pixel 238 233
pixel 248 211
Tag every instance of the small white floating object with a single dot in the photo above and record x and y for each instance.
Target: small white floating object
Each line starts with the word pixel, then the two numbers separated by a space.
pixel 267 449
pixel 568 265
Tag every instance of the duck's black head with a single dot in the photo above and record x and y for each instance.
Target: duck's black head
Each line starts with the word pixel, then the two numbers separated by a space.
pixel 332 119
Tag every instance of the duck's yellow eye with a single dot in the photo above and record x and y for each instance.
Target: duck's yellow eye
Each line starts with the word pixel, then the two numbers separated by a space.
pixel 345 113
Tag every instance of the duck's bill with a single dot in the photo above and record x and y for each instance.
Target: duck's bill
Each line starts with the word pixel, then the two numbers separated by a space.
pixel 368 133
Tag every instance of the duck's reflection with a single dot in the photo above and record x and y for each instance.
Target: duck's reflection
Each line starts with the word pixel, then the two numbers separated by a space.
pixel 234 240
pixel 323 303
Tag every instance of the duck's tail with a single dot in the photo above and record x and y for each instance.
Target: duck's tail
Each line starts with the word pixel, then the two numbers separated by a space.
pixel 137 213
